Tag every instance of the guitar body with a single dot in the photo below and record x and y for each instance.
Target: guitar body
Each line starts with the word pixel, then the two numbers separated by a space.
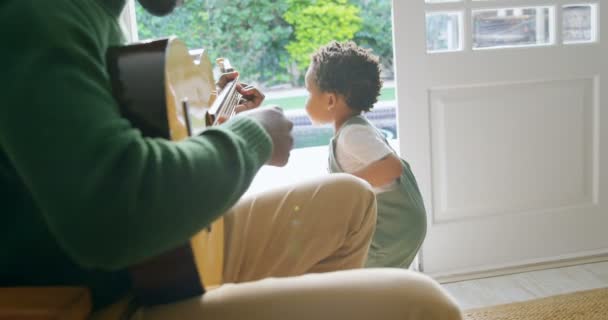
pixel 166 94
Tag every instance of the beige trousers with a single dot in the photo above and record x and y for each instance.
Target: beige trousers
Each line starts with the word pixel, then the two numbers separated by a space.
pixel 281 247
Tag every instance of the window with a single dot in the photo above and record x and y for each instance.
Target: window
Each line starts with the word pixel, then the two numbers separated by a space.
pixel 490 24
pixel 444 31
pixel 259 40
pixel 579 23
pixel 509 27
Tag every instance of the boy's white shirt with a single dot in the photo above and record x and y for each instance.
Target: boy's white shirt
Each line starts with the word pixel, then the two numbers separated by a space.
pixel 358 146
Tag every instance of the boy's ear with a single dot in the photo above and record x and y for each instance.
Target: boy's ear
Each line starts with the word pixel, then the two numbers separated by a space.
pixel 332 99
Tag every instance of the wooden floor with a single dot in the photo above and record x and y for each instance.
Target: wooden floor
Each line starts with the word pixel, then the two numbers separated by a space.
pixel 529 285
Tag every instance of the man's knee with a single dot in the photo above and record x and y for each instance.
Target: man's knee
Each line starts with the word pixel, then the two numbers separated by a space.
pixel 351 187
pixel 430 300
pixel 356 195
pixel 346 180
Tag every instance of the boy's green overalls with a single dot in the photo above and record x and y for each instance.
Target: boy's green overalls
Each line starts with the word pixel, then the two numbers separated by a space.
pixel 401 224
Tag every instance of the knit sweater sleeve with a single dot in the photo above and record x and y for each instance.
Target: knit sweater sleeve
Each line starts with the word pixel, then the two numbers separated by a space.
pixel 110 196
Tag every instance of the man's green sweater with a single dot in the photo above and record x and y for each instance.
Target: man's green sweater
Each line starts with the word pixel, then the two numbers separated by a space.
pixel 82 194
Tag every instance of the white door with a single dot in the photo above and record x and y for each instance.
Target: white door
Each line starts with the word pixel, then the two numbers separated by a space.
pixel 503 115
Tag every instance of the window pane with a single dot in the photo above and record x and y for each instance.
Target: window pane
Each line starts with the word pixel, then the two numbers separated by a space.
pixel 579 23
pixel 511 27
pixel 443 31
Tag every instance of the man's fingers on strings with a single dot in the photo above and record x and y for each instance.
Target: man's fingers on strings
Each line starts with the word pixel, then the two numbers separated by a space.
pixel 250 91
pixel 227 77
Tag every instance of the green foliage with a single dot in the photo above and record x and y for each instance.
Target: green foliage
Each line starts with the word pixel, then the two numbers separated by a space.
pixel 269 41
pixel 376 32
pixel 318 22
pixel 188 22
pixel 251 33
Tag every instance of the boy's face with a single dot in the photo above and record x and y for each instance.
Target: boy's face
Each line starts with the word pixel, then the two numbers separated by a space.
pixel 318 103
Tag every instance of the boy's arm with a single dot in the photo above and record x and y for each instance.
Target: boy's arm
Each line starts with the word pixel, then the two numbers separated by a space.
pixel 381 172
pixel 362 144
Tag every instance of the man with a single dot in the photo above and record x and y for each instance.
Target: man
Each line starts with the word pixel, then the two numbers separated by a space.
pixel 84 195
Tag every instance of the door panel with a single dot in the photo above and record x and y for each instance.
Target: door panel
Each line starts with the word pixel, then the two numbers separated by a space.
pixel 499 112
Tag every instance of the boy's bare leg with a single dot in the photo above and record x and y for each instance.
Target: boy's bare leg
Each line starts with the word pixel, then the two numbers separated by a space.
pixel 324 224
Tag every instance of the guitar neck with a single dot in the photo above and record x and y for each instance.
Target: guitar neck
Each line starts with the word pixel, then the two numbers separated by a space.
pixel 225 103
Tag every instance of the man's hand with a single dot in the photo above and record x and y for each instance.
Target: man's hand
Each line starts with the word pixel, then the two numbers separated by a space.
pixel 225 78
pixel 279 128
pixel 252 97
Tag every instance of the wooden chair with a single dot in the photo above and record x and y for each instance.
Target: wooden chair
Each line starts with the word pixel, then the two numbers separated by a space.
pixel 45 303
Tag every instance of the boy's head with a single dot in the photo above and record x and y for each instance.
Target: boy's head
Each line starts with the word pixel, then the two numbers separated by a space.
pixel 346 71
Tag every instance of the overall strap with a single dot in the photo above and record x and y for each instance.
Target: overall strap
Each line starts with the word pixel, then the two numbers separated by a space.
pixel 333 165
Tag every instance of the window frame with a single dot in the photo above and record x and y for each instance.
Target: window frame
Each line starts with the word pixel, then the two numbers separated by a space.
pixel 128 22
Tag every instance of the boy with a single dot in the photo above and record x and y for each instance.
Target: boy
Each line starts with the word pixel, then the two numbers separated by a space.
pixel 344 82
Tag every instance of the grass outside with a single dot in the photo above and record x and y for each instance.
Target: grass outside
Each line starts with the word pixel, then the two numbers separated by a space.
pixel 297 102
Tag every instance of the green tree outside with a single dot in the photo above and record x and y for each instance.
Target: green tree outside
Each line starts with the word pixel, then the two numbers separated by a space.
pixel 316 23
pixel 251 33
pixel 270 42
pixel 377 31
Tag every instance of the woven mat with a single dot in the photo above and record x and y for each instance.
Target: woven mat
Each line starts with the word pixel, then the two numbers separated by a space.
pixel 584 305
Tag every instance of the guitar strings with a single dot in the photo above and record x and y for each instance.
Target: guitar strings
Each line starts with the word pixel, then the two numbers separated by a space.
pixel 230 106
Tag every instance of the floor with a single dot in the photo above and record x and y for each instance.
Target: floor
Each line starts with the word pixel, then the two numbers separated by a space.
pixel 529 285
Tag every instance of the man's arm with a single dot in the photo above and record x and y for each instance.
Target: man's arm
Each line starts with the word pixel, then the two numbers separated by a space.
pixel 110 196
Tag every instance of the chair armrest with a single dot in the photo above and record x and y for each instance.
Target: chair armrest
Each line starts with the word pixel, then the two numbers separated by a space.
pixel 44 303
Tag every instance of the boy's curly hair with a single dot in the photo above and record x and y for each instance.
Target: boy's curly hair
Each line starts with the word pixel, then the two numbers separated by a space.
pixel 347 69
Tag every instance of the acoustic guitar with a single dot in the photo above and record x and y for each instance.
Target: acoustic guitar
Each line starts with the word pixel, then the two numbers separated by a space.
pixel 166 93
